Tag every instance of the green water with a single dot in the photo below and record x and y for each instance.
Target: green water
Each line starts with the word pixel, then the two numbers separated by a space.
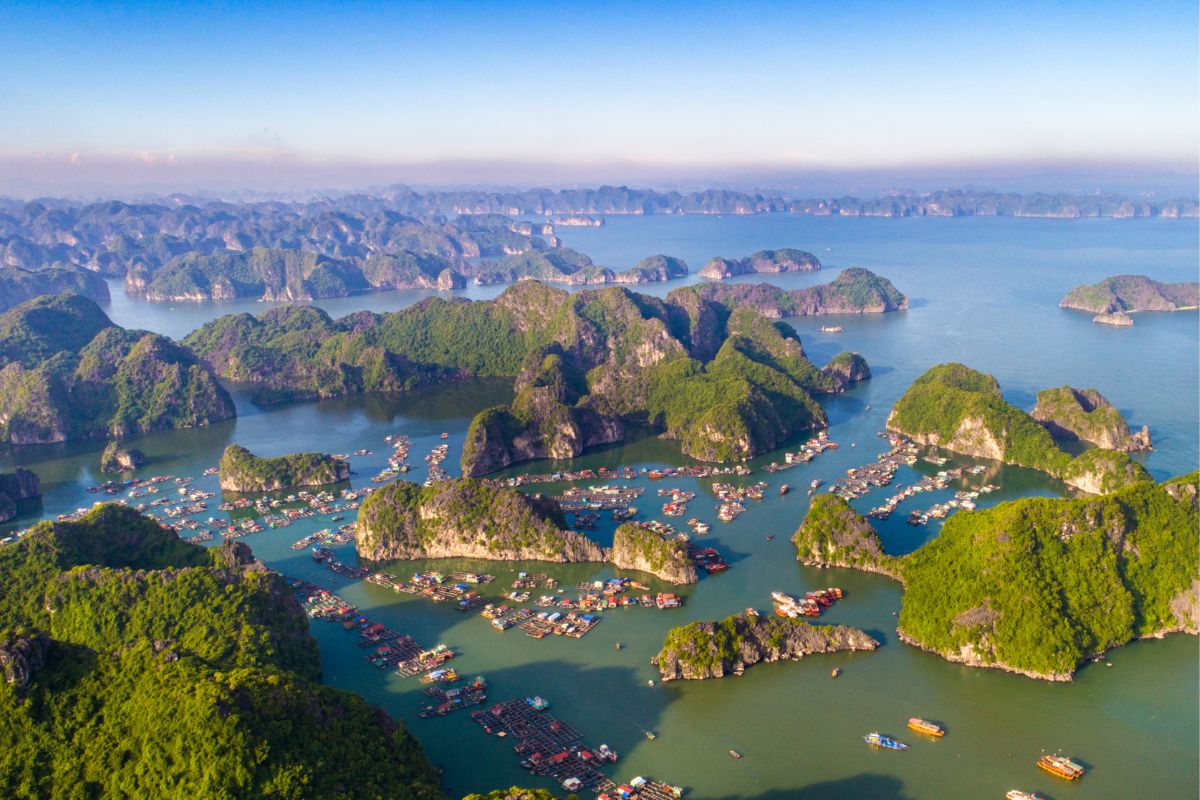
pixel 984 292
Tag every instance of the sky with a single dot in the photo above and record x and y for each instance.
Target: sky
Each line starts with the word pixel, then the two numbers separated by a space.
pixel 280 95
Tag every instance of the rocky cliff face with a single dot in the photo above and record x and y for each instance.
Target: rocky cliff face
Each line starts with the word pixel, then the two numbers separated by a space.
pixel 448 279
pixel 1086 415
pixel 1129 293
pixel 636 547
pixel 847 368
pixel 21 656
pixel 971 438
pixel 16 486
pixel 853 291
pixel 466 519
pixel 119 459
pixel 1099 471
pixel 715 649
pixel 1118 319
pixel 242 471
pixel 833 534
pixel 764 261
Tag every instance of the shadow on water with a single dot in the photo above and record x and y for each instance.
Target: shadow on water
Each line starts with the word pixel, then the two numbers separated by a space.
pixel 860 787
pixel 879 635
pixel 728 553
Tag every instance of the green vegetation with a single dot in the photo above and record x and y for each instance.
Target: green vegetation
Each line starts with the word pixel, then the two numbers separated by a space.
pixel 1127 293
pixel 1086 415
pixel 654 268
pixel 834 534
pixel 143 666
pixel 853 291
pixel 1035 585
pixel 552 266
pixel 702 650
pixel 119 459
pixel 66 372
pixel 957 408
pixel 638 547
pixel 517 793
pixel 782 260
pixel 242 471
pixel 466 518
pixel 20 285
pixel 258 272
pixel 723 380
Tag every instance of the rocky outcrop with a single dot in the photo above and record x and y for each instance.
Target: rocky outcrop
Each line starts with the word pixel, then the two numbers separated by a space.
pixel 1100 471
pixel 1131 293
pixel 764 261
pixel 67 373
pixel 704 650
pixel 1084 414
pixel 639 548
pixel 971 655
pixel 847 368
pixel 577 221
pixel 967 595
pixel 961 410
pixel 19 285
pixel 853 291
pixel 465 518
pixel 653 269
pixel 21 656
pixel 833 534
pixel 1118 319
pixel 242 471
pixel 15 487
pixel 448 279
pixel 119 459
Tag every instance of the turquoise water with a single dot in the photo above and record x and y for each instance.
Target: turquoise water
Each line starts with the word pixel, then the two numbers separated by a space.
pixel 983 291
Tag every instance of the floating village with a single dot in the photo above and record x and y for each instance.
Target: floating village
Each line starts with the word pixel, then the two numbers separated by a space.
pixel 535 603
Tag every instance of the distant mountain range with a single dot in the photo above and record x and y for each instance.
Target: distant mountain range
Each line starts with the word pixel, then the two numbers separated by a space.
pixel 623 200
pixel 180 247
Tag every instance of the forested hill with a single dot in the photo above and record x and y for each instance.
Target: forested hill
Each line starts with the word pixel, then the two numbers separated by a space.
pixel 139 665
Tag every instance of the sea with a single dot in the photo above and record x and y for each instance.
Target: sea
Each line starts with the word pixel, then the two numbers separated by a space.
pixel 982 291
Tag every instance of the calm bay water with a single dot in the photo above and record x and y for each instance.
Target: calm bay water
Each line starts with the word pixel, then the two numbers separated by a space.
pixel 983 291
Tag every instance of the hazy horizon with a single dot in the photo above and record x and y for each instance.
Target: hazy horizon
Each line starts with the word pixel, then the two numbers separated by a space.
pixel 248 180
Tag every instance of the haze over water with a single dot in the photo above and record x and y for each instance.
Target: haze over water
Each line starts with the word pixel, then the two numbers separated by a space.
pixel 983 291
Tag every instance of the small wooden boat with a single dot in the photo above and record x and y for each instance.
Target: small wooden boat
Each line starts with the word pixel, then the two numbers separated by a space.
pixel 735 754
pixel 1017 794
pixel 1061 766
pixel 836 671
pixel 926 727
pixel 877 739
pixel 651 735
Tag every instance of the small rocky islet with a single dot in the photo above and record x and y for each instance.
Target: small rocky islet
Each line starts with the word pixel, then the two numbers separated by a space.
pixel 701 650
pixel 1113 299
pixel 468 518
pixel 242 471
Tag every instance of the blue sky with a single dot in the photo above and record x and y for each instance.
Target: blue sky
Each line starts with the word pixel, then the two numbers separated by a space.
pixel 160 86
